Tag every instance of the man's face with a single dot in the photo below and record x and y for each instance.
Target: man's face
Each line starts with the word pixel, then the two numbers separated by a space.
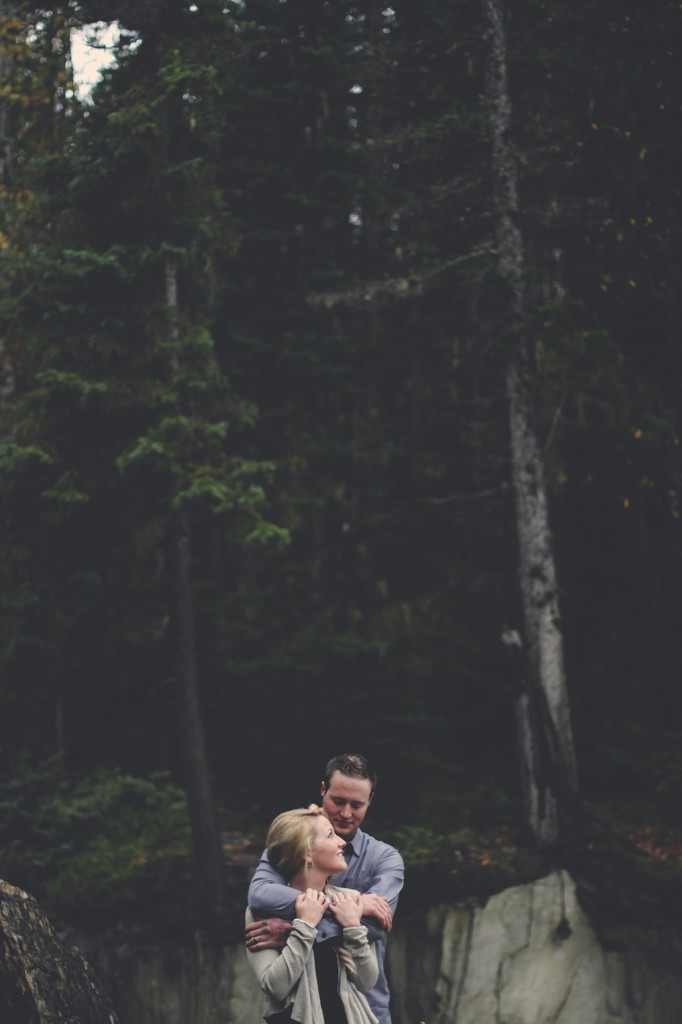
pixel 346 801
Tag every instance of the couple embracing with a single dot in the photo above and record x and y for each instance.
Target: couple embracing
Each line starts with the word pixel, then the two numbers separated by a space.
pixel 321 903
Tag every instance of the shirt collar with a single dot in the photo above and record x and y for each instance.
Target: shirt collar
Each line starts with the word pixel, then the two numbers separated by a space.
pixel 357 844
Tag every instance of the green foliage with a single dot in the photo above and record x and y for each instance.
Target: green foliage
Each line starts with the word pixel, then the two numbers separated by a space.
pixel 171 441
pixel 420 846
pixel 65 491
pixel 326 403
pixel 93 843
pixel 264 533
pixel 16 456
pixel 650 771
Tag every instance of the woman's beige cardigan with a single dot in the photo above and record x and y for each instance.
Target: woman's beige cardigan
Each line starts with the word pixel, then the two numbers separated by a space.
pixel 287 976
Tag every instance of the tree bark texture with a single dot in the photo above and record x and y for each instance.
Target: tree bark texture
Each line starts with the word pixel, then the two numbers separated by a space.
pixel 209 883
pixel 545 733
pixel 8 10
pixel 208 870
pixel 42 981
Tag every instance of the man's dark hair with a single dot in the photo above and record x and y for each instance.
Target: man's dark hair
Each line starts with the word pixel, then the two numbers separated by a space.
pixel 354 765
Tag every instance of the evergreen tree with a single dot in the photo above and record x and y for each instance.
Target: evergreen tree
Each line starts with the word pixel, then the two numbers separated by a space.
pixel 118 374
pixel 266 251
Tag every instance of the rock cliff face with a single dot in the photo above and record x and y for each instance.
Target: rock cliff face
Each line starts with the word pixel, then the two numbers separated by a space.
pixel 529 956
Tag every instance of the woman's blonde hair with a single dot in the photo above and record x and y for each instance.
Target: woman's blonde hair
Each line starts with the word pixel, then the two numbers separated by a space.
pixel 290 837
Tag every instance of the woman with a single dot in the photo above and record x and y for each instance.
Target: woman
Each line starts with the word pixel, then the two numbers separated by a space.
pixel 309 982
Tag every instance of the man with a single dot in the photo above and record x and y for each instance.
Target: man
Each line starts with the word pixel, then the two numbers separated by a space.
pixel 375 869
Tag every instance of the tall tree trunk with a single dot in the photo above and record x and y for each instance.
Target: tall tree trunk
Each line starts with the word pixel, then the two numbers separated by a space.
pixel 549 773
pixel 364 424
pixel 208 869
pixel 8 10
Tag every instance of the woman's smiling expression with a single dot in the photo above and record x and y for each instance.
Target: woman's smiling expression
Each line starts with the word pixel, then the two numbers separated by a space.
pixel 326 852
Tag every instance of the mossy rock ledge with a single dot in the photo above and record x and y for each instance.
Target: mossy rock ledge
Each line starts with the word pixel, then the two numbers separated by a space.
pixel 617 884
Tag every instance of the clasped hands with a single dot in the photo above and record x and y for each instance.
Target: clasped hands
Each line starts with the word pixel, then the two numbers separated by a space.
pixel 345 906
pixel 348 908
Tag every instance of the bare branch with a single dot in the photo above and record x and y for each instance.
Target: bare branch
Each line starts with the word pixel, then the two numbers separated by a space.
pixel 394 287
pixel 555 421
pixel 494 492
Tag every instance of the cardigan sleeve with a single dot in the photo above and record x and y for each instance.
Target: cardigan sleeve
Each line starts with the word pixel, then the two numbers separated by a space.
pixel 365 966
pixel 279 970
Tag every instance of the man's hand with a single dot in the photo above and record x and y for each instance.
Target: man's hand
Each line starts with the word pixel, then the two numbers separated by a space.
pixel 379 908
pixel 269 934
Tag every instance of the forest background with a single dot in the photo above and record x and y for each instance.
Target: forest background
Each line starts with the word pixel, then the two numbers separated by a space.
pixel 257 492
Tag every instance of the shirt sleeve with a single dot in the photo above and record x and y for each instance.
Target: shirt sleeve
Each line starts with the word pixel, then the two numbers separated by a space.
pixel 388 877
pixel 269 895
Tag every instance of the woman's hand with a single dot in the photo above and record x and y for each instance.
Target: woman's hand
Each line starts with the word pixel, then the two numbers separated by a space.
pixel 347 908
pixel 311 905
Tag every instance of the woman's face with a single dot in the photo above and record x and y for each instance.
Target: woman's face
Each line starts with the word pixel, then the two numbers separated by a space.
pixel 326 852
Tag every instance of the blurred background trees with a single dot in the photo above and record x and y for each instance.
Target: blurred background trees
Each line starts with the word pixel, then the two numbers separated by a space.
pixel 258 341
